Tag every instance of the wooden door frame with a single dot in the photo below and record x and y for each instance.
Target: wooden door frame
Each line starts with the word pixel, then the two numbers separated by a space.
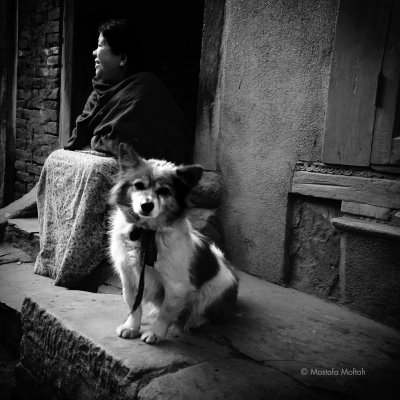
pixel 68 33
pixel 8 96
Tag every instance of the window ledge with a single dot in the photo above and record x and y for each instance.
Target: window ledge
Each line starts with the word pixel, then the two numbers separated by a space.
pixel 367 228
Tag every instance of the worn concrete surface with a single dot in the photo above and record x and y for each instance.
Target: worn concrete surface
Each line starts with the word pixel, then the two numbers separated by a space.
pixel 10 254
pixel 282 344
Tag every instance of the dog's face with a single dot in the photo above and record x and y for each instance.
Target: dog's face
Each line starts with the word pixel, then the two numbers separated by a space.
pixel 152 192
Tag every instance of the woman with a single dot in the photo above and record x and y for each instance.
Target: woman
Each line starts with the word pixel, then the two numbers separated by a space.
pixel 127 105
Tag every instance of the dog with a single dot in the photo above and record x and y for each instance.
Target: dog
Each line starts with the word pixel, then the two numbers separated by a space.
pixel 191 281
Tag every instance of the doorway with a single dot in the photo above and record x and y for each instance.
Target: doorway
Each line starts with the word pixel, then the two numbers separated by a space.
pixel 171 32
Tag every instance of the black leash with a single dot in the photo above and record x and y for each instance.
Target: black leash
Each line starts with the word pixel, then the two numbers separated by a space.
pixel 148 256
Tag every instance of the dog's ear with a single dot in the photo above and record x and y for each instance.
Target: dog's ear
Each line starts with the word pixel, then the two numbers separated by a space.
pixel 190 174
pixel 128 158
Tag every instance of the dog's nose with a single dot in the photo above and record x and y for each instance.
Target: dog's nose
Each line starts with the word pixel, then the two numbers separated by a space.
pixel 147 207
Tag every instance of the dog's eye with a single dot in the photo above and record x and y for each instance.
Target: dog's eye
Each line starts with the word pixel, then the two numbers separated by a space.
pixel 163 191
pixel 139 185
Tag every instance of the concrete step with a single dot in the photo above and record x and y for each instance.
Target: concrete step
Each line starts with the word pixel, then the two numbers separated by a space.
pixel 282 344
pixel 24 234
pixel 23 207
pixel 19 223
pixel 26 229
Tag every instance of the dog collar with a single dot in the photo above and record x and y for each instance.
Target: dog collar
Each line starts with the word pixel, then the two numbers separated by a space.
pixel 148 246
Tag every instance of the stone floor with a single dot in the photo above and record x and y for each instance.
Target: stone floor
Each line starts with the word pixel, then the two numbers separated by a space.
pixel 281 344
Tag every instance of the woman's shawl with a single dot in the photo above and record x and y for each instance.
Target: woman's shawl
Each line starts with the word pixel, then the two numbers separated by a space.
pixel 139 111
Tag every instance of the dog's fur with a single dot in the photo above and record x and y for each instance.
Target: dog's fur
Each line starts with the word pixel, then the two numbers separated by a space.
pixel 191 280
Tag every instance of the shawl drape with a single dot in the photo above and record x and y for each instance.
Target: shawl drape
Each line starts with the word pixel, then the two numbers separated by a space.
pixel 139 111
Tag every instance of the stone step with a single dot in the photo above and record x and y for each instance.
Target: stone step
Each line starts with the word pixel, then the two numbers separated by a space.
pixel 23 207
pixel 27 225
pixel 24 233
pixel 281 344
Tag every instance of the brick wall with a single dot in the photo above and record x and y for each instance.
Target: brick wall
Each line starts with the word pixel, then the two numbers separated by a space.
pixel 38 87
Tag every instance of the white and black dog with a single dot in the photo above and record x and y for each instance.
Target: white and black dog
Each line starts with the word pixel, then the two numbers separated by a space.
pixel 190 279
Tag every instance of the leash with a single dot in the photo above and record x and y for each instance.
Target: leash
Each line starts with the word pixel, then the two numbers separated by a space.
pixel 148 256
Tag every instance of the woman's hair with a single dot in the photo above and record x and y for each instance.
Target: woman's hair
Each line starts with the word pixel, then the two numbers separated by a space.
pixel 123 38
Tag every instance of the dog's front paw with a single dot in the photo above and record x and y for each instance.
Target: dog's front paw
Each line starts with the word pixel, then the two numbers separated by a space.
pixel 150 337
pixel 127 333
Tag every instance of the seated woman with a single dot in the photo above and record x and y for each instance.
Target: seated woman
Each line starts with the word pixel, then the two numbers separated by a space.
pixel 127 105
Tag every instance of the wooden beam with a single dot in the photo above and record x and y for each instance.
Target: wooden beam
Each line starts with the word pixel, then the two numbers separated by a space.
pixel 372 191
pixel 365 210
pixel 208 109
pixel 66 124
pixel 3 94
pixel 8 97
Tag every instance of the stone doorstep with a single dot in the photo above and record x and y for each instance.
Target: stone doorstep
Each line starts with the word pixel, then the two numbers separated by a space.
pixel 23 207
pixel 24 234
pixel 70 337
pixel 27 225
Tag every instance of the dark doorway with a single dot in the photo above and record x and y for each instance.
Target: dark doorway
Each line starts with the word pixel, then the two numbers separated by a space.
pixel 171 32
pixel 8 69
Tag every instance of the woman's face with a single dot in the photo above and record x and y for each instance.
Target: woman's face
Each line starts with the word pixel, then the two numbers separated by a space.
pixel 109 67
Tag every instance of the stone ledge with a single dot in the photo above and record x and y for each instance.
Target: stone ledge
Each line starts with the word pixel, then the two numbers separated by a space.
pixel 23 207
pixel 28 225
pixel 24 233
pixel 367 228
pixel 69 337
